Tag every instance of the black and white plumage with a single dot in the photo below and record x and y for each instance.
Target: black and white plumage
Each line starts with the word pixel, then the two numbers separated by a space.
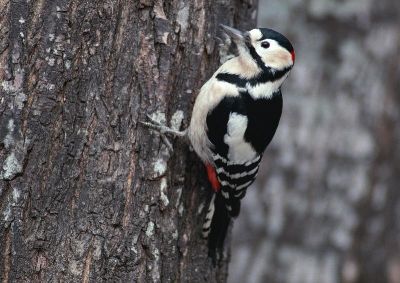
pixel 234 118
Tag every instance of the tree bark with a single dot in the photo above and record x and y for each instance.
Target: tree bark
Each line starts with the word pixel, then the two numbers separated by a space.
pixel 86 193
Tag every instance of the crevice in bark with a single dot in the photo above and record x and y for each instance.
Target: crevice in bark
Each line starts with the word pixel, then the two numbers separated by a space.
pixel 7 255
pixel 87 265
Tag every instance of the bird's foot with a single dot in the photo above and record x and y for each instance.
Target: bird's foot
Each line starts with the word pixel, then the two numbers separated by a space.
pixel 155 125
pixel 163 130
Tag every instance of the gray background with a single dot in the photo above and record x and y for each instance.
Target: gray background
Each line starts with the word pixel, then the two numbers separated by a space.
pixel 326 204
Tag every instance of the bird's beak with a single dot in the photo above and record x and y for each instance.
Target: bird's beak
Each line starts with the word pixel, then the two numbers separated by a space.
pixel 235 34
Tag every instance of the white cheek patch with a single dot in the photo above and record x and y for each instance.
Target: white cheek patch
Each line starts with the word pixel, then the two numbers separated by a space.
pixel 239 149
pixel 279 58
pixel 275 56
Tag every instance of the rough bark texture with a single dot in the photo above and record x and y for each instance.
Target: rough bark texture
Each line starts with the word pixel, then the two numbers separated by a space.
pixel 326 206
pixel 86 193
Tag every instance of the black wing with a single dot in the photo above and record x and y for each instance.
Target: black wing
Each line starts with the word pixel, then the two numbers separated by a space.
pixel 233 177
pixel 262 121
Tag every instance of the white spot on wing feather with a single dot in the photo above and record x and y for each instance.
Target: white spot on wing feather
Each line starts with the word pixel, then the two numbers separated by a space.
pixel 239 149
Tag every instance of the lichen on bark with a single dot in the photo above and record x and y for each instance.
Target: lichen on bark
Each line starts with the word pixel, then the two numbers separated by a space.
pixel 86 193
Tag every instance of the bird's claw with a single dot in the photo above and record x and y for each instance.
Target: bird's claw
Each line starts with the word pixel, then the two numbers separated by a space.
pixel 155 125
pixel 153 120
pixel 167 142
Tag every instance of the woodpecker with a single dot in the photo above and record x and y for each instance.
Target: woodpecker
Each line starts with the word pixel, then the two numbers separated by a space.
pixel 234 118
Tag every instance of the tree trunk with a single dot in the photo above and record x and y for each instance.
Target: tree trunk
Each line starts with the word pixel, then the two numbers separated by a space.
pixel 87 194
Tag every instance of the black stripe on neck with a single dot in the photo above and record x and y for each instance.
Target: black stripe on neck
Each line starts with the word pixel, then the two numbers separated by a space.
pixel 232 79
pixel 269 76
pixel 256 57
pixel 265 76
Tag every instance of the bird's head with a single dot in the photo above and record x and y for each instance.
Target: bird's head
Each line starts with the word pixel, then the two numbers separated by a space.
pixel 266 47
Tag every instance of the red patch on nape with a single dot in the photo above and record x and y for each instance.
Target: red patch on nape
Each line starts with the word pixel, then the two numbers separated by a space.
pixel 212 177
pixel 293 55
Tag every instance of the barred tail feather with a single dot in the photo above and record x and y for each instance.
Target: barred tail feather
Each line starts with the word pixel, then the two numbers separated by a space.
pixel 216 225
pixel 209 217
pixel 233 181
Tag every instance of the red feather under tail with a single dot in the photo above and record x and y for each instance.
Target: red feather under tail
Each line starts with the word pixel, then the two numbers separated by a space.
pixel 212 177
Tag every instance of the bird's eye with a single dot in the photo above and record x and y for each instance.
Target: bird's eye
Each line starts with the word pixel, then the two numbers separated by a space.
pixel 265 44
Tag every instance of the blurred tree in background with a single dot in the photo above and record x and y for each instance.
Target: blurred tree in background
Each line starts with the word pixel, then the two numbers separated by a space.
pixel 326 205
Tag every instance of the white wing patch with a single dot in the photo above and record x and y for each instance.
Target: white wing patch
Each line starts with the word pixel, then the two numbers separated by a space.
pixel 239 149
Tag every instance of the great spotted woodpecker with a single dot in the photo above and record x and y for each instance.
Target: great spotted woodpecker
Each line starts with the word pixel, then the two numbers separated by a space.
pixel 234 119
